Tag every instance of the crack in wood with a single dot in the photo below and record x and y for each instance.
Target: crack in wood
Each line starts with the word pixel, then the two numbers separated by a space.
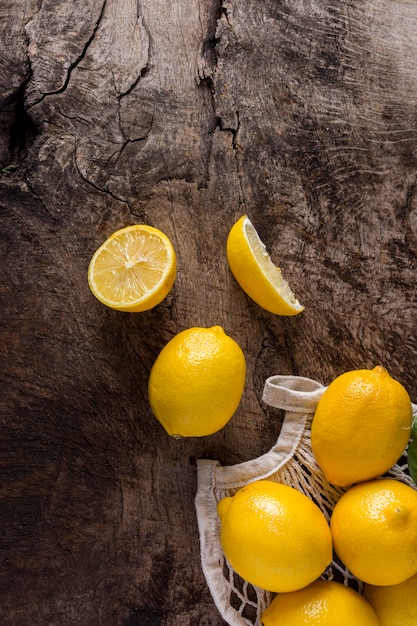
pixel 74 63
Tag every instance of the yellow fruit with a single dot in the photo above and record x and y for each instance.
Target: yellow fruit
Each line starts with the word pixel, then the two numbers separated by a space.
pixel 253 269
pixel 323 603
pixel 134 269
pixel 374 529
pixel 274 536
pixel 361 426
pixel 395 605
pixel 197 381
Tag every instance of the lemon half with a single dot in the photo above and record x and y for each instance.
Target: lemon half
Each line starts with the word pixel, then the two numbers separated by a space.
pixel 134 269
pixel 255 272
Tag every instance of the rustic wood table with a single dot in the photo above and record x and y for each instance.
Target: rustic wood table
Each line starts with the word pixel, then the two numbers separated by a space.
pixel 183 114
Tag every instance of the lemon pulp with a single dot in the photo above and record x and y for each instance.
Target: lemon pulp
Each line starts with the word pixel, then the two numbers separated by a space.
pixel 134 269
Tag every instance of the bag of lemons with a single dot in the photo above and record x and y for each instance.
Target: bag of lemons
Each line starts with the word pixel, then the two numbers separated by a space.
pixel 290 462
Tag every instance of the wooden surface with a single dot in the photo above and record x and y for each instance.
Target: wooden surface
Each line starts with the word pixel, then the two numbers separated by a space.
pixel 184 115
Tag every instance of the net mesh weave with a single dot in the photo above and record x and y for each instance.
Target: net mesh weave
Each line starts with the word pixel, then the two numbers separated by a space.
pixel 290 461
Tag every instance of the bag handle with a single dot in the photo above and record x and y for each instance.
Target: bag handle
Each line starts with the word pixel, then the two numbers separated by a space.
pixel 292 393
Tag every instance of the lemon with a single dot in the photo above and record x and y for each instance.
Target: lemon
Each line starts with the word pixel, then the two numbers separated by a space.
pixel 253 269
pixel 395 605
pixel 134 269
pixel 323 603
pixel 374 529
pixel 274 536
pixel 197 381
pixel 361 426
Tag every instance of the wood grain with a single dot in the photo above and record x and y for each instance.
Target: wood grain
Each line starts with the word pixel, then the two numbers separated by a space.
pixel 183 115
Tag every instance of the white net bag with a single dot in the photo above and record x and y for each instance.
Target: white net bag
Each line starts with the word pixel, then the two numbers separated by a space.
pixel 290 461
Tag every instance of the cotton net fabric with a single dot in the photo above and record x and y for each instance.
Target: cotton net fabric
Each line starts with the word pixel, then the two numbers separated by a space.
pixel 289 461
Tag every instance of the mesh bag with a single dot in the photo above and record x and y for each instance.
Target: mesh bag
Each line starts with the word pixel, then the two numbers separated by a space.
pixel 290 461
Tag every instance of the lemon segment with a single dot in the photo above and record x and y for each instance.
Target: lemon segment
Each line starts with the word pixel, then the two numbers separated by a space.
pixel 196 382
pixel 255 272
pixel 134 269
pixel 324 603
pixel 274 536
pixel 374 530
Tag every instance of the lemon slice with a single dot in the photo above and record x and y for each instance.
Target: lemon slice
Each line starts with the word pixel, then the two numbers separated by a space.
pixel 253 269
pixel 134 269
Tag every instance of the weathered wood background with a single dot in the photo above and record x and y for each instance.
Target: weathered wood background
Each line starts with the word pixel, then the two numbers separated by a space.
pixel 183 114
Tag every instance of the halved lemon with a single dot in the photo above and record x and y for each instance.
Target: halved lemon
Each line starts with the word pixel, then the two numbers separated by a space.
pixel 253 269
pixel 134 269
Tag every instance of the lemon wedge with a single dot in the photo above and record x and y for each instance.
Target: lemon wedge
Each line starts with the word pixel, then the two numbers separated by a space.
pixel 134 269
pixel 253 269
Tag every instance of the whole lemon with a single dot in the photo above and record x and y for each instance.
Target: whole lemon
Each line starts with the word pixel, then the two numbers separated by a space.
pixel 197 381
pixel 324 603
pixel 274 536
pixel 395 605
pixel 361 426
pixel 374 529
